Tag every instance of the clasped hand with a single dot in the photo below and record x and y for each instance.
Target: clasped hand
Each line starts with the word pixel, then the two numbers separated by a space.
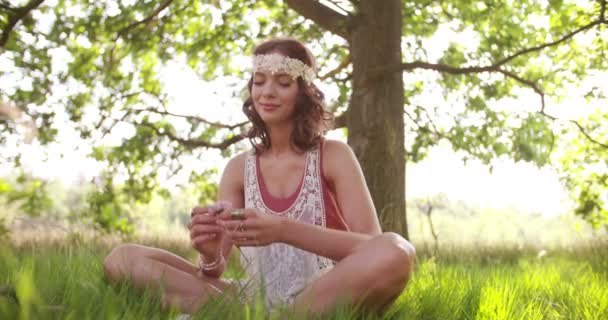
pixel 253 228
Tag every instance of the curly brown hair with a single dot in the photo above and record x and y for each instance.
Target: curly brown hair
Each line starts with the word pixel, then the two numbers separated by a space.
pixel 311 118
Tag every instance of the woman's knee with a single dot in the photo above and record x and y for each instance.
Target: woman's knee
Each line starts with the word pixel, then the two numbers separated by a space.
pixel 115 263
pixel 392 261
pixel 404 252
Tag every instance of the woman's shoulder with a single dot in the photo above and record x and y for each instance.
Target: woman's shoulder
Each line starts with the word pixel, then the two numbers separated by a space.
pixel 235 168
pixel 336 149
pixel 238 161
pixel 337 155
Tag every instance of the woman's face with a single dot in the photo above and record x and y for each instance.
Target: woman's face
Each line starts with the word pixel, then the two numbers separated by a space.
pixel 274 96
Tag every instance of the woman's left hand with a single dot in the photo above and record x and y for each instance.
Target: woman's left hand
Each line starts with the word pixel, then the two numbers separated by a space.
pixel 253 229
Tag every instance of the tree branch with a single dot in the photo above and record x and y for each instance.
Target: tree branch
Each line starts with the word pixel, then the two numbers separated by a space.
pixel 107 130
pixel 199 119
pixel 549 44
pixel 495 67
pixel 530 84
pixel 410 66
pixel 445 11
pixel 195 143
pixel 7 7
pixel 335 71
pixel 584 132
pixel 492 67
pixel 145 20
pixel 338 6
pixel 20 13
pixel 468 70
pixel 580 128
pixel 323 16
pixel 435 131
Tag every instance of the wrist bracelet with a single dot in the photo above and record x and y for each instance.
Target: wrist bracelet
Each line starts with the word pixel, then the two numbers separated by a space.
pixel 212 265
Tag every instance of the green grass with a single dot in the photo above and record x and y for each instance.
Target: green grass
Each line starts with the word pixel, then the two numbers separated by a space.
pixel 509 283
pixel 63 279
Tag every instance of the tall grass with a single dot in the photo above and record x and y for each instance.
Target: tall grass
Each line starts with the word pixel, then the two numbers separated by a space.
pixel 63 279
pixel 484 266
pixel 508 283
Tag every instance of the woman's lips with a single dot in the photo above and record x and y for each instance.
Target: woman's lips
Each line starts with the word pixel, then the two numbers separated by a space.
pixel 269 107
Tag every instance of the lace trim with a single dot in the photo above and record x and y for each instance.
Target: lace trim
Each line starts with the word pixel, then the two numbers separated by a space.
pixel 284 271
pixel 300 191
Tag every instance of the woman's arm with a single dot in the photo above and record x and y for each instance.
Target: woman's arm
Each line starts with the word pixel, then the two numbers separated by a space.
pixel 259 229
pixel 329 243
pixel 231 190
pixel 345 177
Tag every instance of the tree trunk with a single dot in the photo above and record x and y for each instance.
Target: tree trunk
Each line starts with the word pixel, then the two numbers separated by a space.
pixel 375 118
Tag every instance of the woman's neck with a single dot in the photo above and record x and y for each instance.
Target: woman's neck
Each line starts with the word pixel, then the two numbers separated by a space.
pixel 280 139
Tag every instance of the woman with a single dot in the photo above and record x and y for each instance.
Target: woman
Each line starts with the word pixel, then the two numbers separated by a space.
pixel 309 233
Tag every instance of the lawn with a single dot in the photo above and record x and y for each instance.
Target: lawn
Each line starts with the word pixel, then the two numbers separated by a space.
pixel 63 279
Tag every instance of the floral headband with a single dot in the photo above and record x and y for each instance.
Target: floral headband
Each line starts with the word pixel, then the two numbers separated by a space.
pixel 279 63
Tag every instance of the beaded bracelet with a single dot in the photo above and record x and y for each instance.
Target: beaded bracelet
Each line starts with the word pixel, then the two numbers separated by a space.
pixel 212 265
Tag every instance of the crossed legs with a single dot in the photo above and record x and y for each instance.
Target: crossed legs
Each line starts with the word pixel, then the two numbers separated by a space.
pixel 154 268
pixel 372 276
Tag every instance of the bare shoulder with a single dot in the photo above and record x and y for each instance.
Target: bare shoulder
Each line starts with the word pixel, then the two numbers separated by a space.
pixel 235 167
pixel 343 172
pixel 232 183
pixel 238 161
pixel 335 147
pixel 337 156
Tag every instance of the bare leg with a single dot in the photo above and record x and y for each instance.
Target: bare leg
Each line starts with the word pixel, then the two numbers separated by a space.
pixel 150 267
pixel 372 276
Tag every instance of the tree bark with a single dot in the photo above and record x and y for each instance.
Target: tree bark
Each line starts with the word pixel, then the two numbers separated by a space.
pixel 375 119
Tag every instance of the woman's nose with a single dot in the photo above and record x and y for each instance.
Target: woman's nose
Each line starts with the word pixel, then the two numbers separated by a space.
pixel 269 89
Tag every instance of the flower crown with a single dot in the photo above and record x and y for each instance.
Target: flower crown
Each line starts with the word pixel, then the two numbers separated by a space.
pixel 278 63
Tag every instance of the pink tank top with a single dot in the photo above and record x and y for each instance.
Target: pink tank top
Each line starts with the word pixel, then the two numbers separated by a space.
pixel 333 215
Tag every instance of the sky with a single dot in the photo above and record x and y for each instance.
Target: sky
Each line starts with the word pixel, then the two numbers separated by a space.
pixel 520 186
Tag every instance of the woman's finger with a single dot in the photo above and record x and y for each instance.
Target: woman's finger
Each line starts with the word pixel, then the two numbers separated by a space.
pixel 225 215
pixel 239 214
pixel 247 243
pixel 242 234
pixel 233 225
pixel 198 210
pixel 202 238
pixel 224 205
pixel 251 213
pixel 205 218
pixel 201 229
pixel 212 209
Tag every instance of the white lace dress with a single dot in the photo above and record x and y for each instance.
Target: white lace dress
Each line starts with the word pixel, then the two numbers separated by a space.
pixel 278 270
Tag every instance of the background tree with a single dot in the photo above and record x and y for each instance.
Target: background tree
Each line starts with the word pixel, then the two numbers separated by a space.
pixel 384 57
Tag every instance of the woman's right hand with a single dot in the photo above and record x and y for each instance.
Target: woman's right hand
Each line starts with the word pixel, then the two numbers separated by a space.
pixel 205 234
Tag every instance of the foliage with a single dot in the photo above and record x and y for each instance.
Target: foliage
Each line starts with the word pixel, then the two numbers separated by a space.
pixel 29 193
pixel 584 168
pixel 107 211
pixel 471 56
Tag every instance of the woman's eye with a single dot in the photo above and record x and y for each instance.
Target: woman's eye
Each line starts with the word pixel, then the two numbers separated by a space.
pixel 286 85
pixel 257 83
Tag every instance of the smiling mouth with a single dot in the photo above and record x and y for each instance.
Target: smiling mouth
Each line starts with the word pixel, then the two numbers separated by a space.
pixel 268 106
